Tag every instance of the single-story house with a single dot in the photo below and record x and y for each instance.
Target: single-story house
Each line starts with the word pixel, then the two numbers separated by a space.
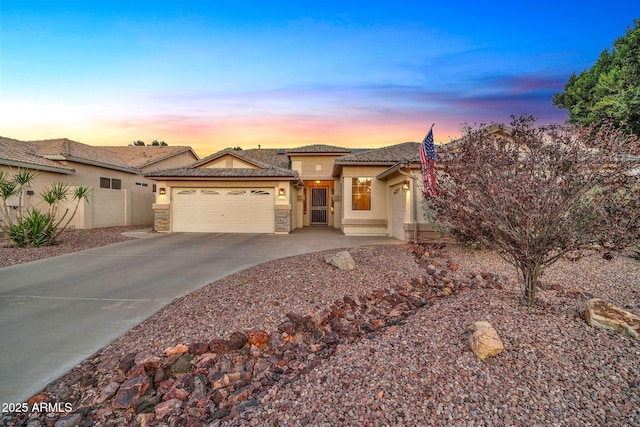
pixel 121 194
pixel 361 192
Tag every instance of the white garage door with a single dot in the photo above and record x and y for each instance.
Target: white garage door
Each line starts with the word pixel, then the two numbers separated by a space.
pixel 223 210
pixel 398 212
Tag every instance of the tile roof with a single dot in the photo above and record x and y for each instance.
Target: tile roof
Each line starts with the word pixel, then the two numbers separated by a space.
pixel 318 148
pixel 258 156
pixel 74 151
pixel 21 153
pixel 141 156
pixel 190 172
pixel 406 151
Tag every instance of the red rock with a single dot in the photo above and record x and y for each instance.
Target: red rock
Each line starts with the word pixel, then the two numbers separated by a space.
pixel 145 420
pixel 198 348
pixel 176 393
pixel 37 399
pixel 130 391
pixel 136 371
pixel 107 392
pixel 168 407
pixel 178 349
pixel 258 338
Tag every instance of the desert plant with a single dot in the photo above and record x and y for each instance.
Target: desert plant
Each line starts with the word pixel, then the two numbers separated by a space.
pixel 35 227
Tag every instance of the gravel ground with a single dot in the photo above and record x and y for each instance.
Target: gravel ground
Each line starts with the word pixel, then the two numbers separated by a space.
pixel 555 370
pixel 69 241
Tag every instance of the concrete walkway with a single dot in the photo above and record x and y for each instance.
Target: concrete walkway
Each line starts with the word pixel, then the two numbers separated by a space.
pixel 56 312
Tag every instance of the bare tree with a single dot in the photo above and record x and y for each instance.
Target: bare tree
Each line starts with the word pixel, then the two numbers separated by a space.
pixel 537 192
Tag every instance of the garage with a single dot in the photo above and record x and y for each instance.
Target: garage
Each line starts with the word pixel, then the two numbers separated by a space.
pixel 223 210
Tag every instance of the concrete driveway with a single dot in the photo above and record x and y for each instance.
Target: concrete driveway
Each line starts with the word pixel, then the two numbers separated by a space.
pixel 56 312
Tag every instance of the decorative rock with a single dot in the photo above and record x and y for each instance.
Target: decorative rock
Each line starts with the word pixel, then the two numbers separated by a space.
pixel 130 391
pixel 183 364
pixel 108 392
pixel 602 313
pixel 69 421
pixel 237 340
pixel 341 260
pixel 172 406
pixel 198 348
pixel 179 349
pixel 258 338
pixel 484 340
pixel 219 346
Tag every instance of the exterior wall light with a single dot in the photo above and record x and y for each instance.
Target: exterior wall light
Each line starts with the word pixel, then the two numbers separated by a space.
pixel 162 191
pixel 406 186
pixel 281 191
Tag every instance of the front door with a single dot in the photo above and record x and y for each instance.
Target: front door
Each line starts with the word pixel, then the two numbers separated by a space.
pixel 318 206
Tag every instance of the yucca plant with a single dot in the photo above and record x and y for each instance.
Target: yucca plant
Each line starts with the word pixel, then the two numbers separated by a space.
pixel 35 229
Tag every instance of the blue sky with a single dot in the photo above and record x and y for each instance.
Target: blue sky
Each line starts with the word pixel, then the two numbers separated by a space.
pixel 284 74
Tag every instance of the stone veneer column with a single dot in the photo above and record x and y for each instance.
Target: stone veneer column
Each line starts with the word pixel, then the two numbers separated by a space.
pixel 161 218
pixel 283 219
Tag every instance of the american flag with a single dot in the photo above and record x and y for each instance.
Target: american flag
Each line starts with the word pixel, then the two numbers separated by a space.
pixel 428 163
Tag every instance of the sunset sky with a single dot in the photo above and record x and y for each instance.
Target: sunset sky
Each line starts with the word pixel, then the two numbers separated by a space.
pixel 284 74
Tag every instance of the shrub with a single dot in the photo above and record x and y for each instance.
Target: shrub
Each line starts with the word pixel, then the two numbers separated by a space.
pixel 34 229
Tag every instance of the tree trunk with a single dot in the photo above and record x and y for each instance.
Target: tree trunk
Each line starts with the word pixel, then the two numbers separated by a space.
pixel 530 276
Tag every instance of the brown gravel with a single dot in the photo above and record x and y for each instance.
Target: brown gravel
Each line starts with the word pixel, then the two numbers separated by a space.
pixel 69 241
pixel 555 370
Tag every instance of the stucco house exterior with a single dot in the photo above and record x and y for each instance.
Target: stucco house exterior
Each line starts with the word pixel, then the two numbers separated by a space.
pixel 121 194
pixel 360 192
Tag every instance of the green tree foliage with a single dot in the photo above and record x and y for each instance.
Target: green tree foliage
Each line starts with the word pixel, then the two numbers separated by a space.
pixel 156 143
pixel 539 192
pixel 610 89
pixel 138 143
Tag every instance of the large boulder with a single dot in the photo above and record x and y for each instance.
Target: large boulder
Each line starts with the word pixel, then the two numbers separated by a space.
pixel 484 340
pixel 603 314
pixel 342 260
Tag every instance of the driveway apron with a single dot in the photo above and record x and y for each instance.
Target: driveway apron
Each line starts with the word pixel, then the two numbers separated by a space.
pixel 56 312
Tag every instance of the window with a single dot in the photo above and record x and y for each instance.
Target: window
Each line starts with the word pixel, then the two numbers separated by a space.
pixel 260 193
pixel 361 194
pixel 113 183
pixel 236 192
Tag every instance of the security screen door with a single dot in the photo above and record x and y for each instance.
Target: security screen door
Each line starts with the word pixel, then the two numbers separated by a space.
pixel 318 206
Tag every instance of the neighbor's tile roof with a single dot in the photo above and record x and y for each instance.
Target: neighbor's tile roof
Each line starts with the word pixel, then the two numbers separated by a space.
pixel 190 172
pixel 74 151
pixel 318 148
pixel 406 151
pixel 141 156
pixel 16 153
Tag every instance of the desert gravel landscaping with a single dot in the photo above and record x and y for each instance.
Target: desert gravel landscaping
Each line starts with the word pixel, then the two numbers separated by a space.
pixel 69 241
pixel 399 354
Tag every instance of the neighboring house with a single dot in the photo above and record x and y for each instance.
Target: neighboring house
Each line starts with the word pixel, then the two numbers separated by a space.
pixel 105 169
pixel 361 192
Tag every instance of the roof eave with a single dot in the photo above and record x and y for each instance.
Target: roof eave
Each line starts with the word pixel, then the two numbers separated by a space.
pixel 91 163
pixel 35 166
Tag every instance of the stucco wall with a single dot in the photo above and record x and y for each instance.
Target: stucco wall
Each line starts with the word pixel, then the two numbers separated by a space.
pixel 364 222
pixel 313 167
